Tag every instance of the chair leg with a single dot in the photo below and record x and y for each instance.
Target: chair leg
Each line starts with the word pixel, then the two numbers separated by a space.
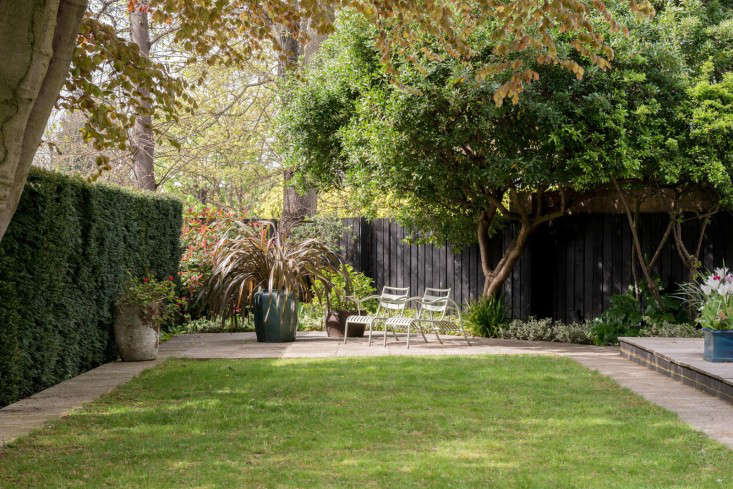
pixel 370 332
pixel 422 333
pixel 465 335
pixel 438 336
pixel 408 334
pixel 385 334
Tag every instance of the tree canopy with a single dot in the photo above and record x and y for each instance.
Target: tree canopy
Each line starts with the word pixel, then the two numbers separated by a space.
pixel 456 163
pixel 43 36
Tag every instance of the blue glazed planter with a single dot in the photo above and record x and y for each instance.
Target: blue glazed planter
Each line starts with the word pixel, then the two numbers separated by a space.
pixel 276 317
pixel 718 345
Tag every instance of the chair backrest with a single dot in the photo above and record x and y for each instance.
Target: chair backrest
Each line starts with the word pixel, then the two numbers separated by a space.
pixel 435 300
pixel 393 298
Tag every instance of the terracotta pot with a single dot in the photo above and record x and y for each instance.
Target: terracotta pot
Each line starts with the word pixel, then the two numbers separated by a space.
pixel 137 340
pixel 336 324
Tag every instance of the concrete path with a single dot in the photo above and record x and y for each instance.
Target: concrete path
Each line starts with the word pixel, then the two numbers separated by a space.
pixel 33 412
pixel 703 412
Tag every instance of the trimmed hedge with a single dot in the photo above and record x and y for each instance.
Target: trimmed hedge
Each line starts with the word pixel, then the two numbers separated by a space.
pixel 63 263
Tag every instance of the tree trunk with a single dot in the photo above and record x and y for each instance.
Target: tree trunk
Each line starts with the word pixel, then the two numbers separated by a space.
pixel 494 277
pixel 529 214
pixel 494 280
pixel 143 141
pixel 39 37
pixel 296 206
pixel 690 258
pixel 643 265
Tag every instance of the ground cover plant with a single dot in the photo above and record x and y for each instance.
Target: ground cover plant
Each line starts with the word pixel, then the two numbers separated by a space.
pixel 498 421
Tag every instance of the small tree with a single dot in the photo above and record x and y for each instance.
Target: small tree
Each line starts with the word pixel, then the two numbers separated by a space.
pixel 456 164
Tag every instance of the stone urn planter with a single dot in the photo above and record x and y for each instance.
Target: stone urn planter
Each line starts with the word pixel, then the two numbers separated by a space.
pixel 142 307
pixel 718 345
pixel 136 335
pixel 336 325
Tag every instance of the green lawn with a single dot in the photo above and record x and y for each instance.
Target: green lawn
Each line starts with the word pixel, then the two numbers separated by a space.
pixel 494 422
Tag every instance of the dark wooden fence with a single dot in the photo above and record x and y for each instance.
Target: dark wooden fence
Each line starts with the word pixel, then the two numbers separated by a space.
pixel 570 269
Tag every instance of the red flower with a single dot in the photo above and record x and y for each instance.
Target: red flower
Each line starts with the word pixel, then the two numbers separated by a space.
pixel 170 278
pixel 146 280
pixel 716 277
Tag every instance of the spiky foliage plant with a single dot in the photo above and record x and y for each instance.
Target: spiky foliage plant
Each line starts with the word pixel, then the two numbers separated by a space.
pixel 253 257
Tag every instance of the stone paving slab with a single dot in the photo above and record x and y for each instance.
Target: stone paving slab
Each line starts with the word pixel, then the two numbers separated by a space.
pixel 687 352
pixel 701 411
pixel 28 414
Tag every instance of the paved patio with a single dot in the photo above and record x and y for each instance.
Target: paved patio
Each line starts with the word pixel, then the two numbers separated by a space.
pixel 700 410
pixel 682 359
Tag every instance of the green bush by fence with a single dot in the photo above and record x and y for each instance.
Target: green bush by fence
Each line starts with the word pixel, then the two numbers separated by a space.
pixel 63 262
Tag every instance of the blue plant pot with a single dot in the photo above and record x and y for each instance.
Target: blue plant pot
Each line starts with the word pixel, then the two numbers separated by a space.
pixel 718 345
pixel 276 317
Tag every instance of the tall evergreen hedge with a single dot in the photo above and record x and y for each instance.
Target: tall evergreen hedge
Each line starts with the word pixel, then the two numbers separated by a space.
pixel 63 262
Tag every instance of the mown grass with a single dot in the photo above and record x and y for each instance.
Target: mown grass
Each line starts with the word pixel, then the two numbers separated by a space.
pixel 444 422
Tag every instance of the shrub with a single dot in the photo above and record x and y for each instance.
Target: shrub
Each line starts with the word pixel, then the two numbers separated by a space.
pixel 202 229
pixel 625 315
pixel 157 298
pixel 63 263
pixel 486 316
pixel 584 333
pixel 327 230
pixel 622 318
pixel 671 330
pixel 547 330
pixel 361 286
pixel 310 317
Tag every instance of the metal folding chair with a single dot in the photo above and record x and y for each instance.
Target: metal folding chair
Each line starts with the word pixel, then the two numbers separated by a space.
pixel 390 302
pixel 432 309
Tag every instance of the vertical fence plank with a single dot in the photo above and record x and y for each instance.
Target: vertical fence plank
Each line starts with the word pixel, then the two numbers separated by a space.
pixel 588 283
pixel 406 259
pixel 473 271
pixel 465 273
pixel 617 252
pixel 569 286
pixel 379 250
pixel 525 291
pixel 597 264
pixel 626 262
pixel 414 264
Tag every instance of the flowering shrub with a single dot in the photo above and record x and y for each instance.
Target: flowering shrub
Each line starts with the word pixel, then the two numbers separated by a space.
pixel 716 311
pixel 157 298
pixel 202 230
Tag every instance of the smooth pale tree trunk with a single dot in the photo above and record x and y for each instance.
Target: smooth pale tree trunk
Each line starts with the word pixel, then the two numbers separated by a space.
pixel 143 141
pixel 529 214
pixel 494 277
pixel 37 40
pixel 296 206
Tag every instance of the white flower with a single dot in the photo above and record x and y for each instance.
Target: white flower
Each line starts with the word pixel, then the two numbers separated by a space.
pixel 725 289
pixel 711 284
pixel 721 272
